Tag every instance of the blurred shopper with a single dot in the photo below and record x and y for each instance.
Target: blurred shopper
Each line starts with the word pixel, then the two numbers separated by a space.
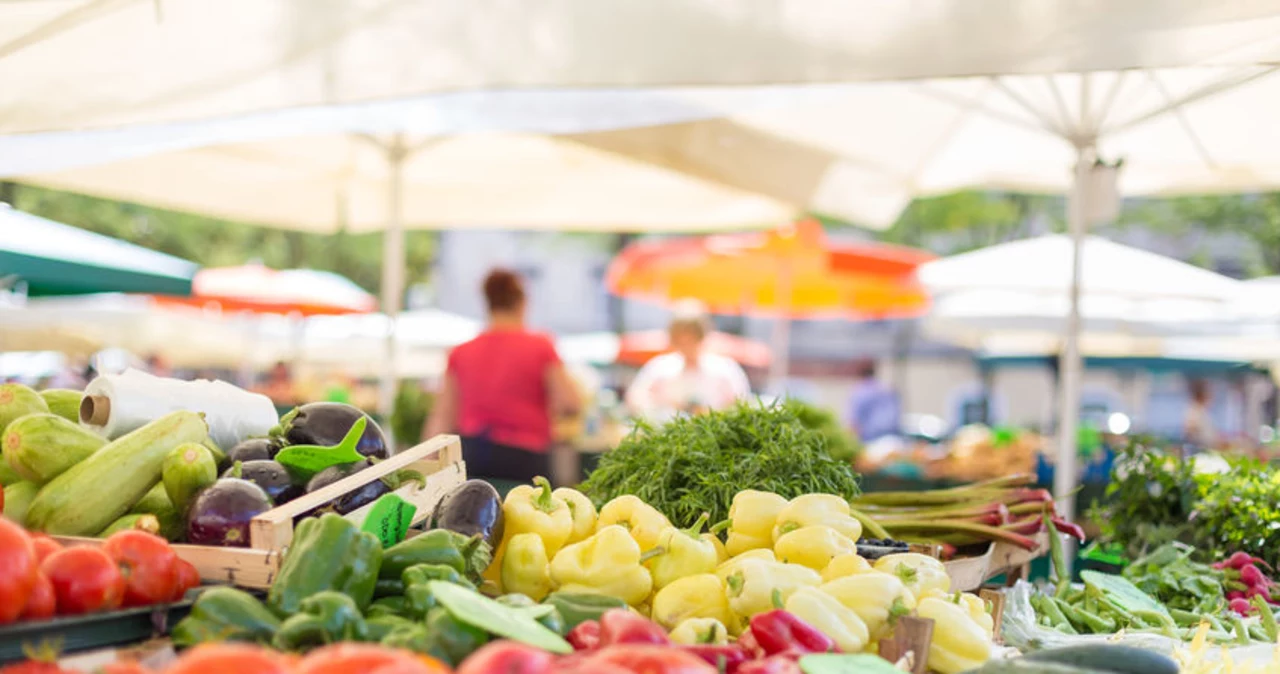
pixel 279 386
pixel 502 390
pixel 688 379
pixel 1197 428
pixel 875 413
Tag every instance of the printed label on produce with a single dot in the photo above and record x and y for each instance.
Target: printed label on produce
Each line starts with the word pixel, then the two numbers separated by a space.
pixel 389 519
pixel 311 459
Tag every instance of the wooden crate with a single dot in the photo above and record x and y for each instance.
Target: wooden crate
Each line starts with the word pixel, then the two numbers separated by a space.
pixel 969 573
pixel 438 459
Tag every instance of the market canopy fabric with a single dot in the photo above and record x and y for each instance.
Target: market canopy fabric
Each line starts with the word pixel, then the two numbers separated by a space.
pixel 51 258
pixel 75 64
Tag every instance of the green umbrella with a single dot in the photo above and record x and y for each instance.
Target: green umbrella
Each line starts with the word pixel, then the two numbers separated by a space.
pixel 51 258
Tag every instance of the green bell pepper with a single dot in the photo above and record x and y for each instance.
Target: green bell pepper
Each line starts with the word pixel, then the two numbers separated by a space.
pixel 327 553
pixel 396 606
pixel 469 556
pixel 382 625
pixel 386 587
pixel 576 608
pixel 324 618
pixel 420 574
pixel 546 614
pixel 225 614
pixel 442 637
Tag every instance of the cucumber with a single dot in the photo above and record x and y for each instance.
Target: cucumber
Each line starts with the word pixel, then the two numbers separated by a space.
pixel 156 502
pixel 96 491
pixel 8 475
pixel 187 469
pixel 1025 666
pixel 17 500
pixel 17 400
pixel 1113 658
pixel 139 521
pixel 63 402
pixel 42 446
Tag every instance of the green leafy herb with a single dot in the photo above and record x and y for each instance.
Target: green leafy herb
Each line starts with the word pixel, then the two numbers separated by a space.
pixel 696 464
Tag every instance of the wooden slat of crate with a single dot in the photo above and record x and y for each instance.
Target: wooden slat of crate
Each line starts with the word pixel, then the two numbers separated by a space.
pixel 969 573
pixel 438 459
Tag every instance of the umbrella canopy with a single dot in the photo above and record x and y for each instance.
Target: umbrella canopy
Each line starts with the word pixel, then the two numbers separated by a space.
pixel 55 259
pixel 792 271
pixel 637 348
pixel 1018 292
pixel 75 64
pixel 291 291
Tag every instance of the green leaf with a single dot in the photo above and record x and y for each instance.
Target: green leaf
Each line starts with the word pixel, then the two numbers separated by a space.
pixel 479 611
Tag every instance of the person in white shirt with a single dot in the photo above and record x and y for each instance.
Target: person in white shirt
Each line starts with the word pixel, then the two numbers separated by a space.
pixel 688 379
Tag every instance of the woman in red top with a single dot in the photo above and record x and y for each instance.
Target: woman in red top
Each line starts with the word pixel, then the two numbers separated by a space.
pixel 502 390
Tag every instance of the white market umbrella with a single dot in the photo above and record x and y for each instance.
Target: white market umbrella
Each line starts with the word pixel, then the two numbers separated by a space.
pixel 356 343
pixel 82 64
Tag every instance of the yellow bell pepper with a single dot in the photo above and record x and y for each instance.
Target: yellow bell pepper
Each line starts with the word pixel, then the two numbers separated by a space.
pixel 722 555
pixel 698 596
pixel 680 553
pixel 832 618
pixel 534 509
pixel 878 598
pixel 810 509
pixel 582 512
pixel 757 586
pixel 977 609
pixel 919 572
pixel 699 631
pixel 752 515
pixel 813 546
pixel 525 566
pixel 606 563
pixel 726 568
pixel 959 644
pixel 641 520
pixel 493 573
pixel 845 565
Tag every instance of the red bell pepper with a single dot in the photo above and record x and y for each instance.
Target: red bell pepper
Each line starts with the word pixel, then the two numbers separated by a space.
pixel 725 658
pixel 647 659
pixel 585 637
pixel 778 631
pixel 620 626
pixel 507 657
pixel 747 642
pixel 777 664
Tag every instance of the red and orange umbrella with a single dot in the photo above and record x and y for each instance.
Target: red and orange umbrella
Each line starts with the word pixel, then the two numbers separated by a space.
pixel 791 272
pixel 260 289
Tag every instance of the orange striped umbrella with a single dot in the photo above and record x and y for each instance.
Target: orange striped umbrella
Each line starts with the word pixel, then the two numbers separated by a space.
pixel 259 289
pixel 791 272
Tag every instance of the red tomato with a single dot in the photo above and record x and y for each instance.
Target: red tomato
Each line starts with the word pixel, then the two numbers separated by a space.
pixel 84 580
pixel 148 564
pixel 225 658
pixel 45 546
pixel 129 667
pixel 348 658
pixel 18 570
pixel 187 578
pixel 33 667
pixel 41 603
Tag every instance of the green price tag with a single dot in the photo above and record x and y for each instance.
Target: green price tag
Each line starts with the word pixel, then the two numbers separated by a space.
pixel 307 460
pixel 389 519
pixel 835 663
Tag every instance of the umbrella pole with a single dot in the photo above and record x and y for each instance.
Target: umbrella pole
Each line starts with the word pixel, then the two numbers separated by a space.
pixel 392 270
pixel 1071 365
pixel 780 366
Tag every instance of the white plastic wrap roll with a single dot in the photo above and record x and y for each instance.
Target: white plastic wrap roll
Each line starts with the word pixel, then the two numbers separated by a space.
pixel 115 404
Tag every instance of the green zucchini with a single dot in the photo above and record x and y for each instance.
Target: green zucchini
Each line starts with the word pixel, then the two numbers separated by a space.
pixel 219 456
pixel 42 446
pixel 156 502
pixel 63 402
pixel 93 493
pixel 1026 666
pixel 138 521
pixel 1114 658
pixel 17 500
pixel 188 468
pixel 16 401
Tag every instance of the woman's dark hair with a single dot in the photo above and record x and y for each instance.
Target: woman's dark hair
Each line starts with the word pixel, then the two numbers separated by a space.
pixel 503 290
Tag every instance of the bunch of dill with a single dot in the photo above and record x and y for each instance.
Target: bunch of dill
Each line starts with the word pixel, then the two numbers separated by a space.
pixel 696 464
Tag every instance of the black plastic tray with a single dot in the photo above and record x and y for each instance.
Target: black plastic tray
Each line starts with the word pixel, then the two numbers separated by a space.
pixel 100 630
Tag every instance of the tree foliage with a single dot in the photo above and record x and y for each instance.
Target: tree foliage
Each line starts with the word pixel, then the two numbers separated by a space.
pixel 212 242
pixel 963 221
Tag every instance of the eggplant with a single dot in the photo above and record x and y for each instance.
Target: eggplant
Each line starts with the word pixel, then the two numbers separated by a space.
pixel 221 513
pixel 326 424
pixel 351 500
pixel 473 507
pixel 271 476
pixel 254 449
